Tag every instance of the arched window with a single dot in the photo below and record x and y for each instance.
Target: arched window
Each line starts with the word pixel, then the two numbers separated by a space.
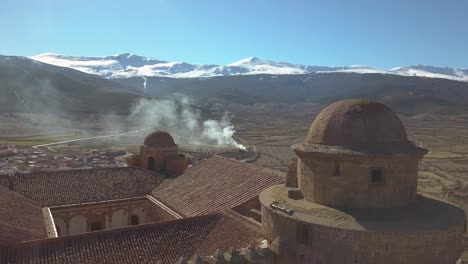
pixel 337 169
pixel 151 164
pixel 134 220
pixel 163 166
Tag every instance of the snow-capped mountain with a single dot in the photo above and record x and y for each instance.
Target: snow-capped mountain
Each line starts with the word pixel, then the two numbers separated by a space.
pixel 129 65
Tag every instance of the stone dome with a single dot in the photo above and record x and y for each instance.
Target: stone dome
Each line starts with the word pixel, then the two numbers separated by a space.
pixel 356 125
pixel 159 139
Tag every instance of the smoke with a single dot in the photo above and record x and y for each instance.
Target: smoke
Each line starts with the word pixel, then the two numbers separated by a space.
pixel 184 122
pixel 144 84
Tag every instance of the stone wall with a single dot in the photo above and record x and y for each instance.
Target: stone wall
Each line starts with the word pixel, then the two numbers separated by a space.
pixel 250 208
pixel 163 160
pixel 327 245
pixel 346 182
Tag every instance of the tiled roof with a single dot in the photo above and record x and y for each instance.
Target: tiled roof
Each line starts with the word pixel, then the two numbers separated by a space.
pixel 148 243
pixel 20 218
pixel 77 186
pixel 229 232
pixel 214 185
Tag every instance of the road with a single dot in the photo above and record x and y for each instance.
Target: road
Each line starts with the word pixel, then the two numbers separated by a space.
pixel 88 138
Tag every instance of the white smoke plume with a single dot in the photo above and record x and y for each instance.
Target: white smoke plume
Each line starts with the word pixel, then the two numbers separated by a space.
pixel 144 84
pixel 178 117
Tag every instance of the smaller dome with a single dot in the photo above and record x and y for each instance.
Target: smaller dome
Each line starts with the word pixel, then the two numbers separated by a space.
pixel 159 139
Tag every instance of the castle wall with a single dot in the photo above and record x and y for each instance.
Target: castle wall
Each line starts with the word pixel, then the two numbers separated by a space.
pixel 327 245
pixel 352 187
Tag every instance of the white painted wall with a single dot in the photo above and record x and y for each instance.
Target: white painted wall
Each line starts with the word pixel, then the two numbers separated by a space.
pixel 60 223
pixel 77 224
pixel 119 218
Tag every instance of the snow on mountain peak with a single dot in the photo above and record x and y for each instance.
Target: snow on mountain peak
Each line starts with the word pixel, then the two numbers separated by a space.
pixel 125 65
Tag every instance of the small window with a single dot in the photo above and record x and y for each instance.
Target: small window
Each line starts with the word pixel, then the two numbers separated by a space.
pixel 303 234
pixel 96 226
pixel 134 220
pixel 376 175
pixel 337 169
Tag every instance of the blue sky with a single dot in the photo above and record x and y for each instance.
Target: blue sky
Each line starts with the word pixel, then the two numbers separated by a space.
pixel 377 33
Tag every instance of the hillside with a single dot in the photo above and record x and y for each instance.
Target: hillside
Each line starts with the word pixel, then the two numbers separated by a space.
pixel 407 95
pixel 30 86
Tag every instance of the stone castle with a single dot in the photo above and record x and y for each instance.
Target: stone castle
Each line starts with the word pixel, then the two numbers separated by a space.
pixel 350 196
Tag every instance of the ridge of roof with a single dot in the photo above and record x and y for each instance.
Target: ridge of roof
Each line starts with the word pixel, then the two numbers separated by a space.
pixel 214 185
pixel 215 216
pixel 249 164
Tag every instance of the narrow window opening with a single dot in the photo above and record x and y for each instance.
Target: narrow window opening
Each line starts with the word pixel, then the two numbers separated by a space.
pixel 303 234
pixel 163 166
pixel 376 175
pixel 151 164
pixel 337 169
pixel 134 220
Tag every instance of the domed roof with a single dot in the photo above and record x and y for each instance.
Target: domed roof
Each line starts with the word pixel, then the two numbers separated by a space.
pixel 158 139
pixel 357 124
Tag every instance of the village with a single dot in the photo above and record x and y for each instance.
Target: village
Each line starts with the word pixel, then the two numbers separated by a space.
pixel 26 159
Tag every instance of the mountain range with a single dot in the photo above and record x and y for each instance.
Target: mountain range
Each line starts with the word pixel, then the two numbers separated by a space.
pixel 28 85
pixel 128 65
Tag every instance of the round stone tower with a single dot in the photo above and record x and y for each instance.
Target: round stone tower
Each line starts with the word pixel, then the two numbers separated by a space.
pixel 351 196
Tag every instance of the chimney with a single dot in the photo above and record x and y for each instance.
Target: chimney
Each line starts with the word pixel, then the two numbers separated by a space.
pixel 11 182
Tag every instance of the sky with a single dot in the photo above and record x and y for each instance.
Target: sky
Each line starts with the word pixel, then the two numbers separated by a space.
pixel 377 33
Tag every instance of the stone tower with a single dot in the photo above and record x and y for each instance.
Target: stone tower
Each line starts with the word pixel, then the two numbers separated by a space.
pixel 159 153
pixel 352 196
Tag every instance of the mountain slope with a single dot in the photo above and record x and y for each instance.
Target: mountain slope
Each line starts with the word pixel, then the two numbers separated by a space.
pixel 30 86
pixel 406 94
pixel 129 65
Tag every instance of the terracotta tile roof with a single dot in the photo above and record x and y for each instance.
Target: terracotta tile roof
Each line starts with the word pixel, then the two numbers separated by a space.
pixel 20 218
pixel 77 186
pixel 214 185
pixel 147 243
pixel 229 232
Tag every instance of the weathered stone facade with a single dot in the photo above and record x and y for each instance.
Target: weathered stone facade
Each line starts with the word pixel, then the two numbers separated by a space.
pixel 160 154
pixel 352 187
pixel 375 242
pixel 353 196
